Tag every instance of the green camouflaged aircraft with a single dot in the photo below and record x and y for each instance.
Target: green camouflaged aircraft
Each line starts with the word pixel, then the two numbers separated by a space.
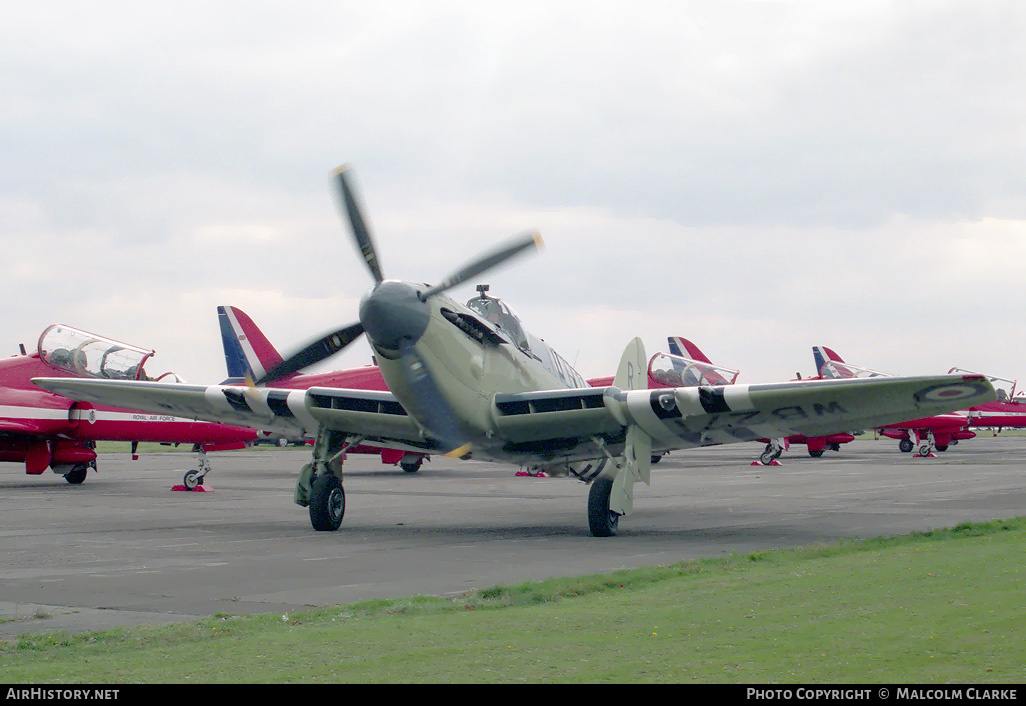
pixel 470 381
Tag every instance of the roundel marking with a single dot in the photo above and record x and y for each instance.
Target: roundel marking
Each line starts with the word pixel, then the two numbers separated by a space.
pixel 951 391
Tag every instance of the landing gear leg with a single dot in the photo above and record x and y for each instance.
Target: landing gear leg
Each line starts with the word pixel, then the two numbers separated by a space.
pixel 194 478
pixel 319 487
pixel 772 452
pixel 925 441
pixel 612 496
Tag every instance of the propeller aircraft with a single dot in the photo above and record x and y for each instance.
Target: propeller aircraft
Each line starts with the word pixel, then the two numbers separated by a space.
pixel 468 380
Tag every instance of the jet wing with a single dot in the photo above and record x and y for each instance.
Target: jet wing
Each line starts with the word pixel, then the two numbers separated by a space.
pixel 562 424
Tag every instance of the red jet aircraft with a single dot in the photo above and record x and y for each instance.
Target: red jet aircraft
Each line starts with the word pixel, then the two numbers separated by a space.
pixel 930 432
pixel 249 355
pixel 44 430
pixel 1009 410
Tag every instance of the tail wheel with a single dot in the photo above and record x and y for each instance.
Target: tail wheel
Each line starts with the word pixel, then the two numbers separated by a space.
pixel 327 503
pixel 601 520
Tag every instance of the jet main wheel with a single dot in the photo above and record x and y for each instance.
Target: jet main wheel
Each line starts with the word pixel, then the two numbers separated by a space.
pixel 816 454
pixel 327 503
pixel 412 467
pixel 906 445
pixel 601 520
pixel 77 474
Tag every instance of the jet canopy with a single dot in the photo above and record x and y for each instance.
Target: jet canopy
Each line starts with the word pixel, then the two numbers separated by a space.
pixel 677 371
pixel 498 313
pixel 88 355
pixel 1005 388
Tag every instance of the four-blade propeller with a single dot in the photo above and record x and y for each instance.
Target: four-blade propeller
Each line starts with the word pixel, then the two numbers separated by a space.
pixel 379 309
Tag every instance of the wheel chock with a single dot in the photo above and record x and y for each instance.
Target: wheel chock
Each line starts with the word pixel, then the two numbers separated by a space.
pixel 771 463
pixel 201 488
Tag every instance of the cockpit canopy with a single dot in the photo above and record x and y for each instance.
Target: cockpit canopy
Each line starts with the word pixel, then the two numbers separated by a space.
pixel 1004 387
pixel 498 313
pixel 677 371
pixel 835 369
pixel 89 355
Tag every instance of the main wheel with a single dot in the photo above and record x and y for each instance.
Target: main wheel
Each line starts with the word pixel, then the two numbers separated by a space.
pixel 816 454
pixel 601 520
pixel 412 467
pixel 77 474
pixel 327 503
pixel 906 445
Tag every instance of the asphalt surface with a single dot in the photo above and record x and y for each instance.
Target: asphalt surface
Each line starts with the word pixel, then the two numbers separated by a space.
pixel 123 549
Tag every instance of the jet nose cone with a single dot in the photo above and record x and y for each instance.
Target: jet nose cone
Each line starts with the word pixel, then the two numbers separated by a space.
pixel 391 312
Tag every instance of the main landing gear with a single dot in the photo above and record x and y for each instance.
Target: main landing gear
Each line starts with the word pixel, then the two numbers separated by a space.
pixel 78 472
pixel 319 487
pixel 193 480
pixel 602 521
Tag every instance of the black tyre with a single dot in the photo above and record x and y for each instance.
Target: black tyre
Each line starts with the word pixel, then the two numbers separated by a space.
pixel 906 445
pixel 815 454
pixel 327 503
pixel 77 474
pixel 412 467
pixel 941 447
pixel 601 520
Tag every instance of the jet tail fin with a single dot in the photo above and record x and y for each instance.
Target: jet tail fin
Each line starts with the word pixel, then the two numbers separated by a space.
pixel 246 349
pixel 831 365
pixel 686 349
pixel 822 356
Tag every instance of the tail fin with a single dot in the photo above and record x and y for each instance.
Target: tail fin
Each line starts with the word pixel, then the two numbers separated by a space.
pixel 824 355
pixel 688 366
pixel 686 349
pixel 831 365
pixel 246 349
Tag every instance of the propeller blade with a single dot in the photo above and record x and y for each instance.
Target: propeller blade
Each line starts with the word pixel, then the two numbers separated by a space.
pixel 347 197
pixel 516 245
pixel 317 351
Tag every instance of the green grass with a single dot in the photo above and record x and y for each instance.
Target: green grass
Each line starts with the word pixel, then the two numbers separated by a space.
pixel 943 606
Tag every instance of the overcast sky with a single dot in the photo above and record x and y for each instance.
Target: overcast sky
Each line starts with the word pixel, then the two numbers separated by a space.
pixel 759 177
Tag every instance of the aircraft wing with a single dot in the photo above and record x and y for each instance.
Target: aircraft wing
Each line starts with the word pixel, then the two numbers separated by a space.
pixel 365 412
pixel 564 424
pixel 675 418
